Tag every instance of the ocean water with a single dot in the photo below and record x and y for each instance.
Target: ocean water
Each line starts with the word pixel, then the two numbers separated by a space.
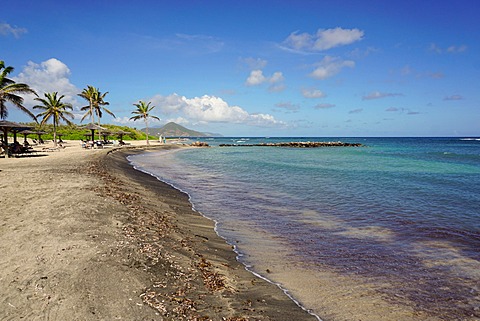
pixel 398 218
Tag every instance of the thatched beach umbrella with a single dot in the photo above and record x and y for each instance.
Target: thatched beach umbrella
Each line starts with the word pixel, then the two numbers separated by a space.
pixel 105 134
pixel 59 136
pixel 25 133
pixel 40 133
pixel 93 128
pixel 120 135
pixel 7 126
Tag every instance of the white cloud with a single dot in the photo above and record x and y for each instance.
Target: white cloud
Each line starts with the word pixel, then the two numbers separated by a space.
pixel 378 95
pixel 330 66
pixel 453 97
pixel 256 78
pixel 299 41
pixel 324 39
pixel 6 29
pixel 312 93
pixel 207 109
pixel 130 122
pixel 178 120
pixel 276 77
pixel 49 76
pixel 362 53
pixel 275 88
pixel 457 49
pixel 254 63
pixel 331 38
pixel 324 106
pixel 123 120
pixel 451 49
pixel 356 111
pixel 288 106
pixel 392 109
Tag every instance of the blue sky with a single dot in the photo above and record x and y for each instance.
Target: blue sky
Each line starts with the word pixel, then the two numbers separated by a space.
pixel 258 68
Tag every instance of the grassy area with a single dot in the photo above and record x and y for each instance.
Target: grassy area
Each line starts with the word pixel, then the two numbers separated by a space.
pixel 77 132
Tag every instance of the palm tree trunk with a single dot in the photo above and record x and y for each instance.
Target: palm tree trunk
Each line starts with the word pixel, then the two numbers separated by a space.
pixel 146 130
pixel 54 132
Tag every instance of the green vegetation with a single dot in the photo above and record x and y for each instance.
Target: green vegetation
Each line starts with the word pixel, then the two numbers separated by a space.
pixel 53 108
pixel 143 112
pixel 95 105
pixel 75 132
pixel 9 91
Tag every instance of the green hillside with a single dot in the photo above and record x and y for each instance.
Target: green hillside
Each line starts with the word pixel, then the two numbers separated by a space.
pixel 175 130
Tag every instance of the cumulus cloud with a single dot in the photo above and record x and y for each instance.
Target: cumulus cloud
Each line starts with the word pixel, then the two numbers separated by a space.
pixel 450 49
pixel 6 30
pixel 288 106
pixel 324 39
pixel 356 111
pixel 207 109
pixel 362 53
pixel 256 78
pixel 407 71
pixel 48 76
pixel 453 97
pixel 312 93
pixel 402 110
pixel 276 77
pixel 457 49
pixel 323 106
pixel 130 122
pixel 330 66
pixel 378 95
pixel 123 120
pixel 275 88
pixel 254 63
pixel 392 109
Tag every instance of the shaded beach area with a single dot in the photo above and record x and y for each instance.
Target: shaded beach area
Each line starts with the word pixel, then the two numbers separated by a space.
pixel 84 236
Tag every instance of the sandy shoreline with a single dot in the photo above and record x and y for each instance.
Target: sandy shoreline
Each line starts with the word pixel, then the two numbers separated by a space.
pixel 84 236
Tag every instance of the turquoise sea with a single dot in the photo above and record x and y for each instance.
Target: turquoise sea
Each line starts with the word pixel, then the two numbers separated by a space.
pixel 400 216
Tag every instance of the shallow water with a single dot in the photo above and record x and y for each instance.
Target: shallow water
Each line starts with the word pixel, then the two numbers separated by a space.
pixel 400 217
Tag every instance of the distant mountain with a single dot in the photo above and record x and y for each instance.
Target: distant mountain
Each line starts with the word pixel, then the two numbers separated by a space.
pixel 175 130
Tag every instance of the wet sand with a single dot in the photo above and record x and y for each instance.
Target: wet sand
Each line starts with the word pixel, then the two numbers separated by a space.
pixel 84 236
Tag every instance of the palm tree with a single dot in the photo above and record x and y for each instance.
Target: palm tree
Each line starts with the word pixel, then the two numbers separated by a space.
pixel 99 104
pixel 96 102
pixel 53 107
pixel 143 111
pixel 89 95
pixel 9 90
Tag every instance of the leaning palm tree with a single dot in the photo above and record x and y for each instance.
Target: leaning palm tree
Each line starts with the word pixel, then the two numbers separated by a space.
pixel 96 104
pixel 54 108
pixel 96 101
pixel 99 104
pixel 9 91
pixel 89 95
pixel 143 111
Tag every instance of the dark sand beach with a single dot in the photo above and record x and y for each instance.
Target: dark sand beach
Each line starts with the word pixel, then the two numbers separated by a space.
pixel 84 236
